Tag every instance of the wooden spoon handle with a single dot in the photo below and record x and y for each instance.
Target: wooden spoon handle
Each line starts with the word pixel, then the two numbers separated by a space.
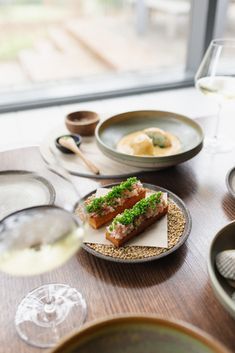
pixel 89 164
pixel 70 144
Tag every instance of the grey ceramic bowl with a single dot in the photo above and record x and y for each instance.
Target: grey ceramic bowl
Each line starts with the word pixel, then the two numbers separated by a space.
pixel 139 334
pixel 109 132
pixel 224 240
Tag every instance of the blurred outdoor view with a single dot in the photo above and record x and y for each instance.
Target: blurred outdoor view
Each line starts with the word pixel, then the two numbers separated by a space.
pixel 50 40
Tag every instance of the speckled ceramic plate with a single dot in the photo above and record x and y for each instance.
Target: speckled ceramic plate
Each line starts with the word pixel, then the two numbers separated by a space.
pixel 110 132
pixel 223 240
pixel 230 181
pixel 139 334
pixel 22 189
pixel 185 233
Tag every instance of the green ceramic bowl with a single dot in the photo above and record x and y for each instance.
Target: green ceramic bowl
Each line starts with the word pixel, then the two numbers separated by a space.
pixel 224 240
pixel 139 334
pixel 109 132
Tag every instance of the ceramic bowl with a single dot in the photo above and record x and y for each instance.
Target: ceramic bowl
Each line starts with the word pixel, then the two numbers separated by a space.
pixel 82 122
pixel 230 181
pixel 77 139
pixel 109 132
pixel 138 334
pixel 223 240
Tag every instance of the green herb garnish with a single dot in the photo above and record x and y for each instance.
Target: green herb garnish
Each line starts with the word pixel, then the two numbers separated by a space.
pixel 110 199
pixel 140 208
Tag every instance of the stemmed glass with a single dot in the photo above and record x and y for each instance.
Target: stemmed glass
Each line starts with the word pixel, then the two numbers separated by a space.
pixel 33 241
pixel 216 79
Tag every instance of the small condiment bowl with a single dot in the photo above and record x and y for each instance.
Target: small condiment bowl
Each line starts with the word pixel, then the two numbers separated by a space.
pixel 82 122
pixel 76 138
pixel 223 240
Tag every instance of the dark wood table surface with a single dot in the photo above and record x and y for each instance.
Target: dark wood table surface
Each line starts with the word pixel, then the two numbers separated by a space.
pixel 176 286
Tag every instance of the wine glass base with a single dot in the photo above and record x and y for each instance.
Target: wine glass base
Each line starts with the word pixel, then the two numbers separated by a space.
pixel 221 144
pixel 48 313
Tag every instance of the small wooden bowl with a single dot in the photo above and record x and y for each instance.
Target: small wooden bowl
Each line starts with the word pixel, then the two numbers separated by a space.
pixel 82 122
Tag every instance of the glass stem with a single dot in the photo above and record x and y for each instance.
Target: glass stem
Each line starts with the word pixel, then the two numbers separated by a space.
pixel 218 119
pixel 49 307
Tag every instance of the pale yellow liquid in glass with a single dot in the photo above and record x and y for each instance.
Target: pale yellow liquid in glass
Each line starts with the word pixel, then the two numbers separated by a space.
pixel 219 87
pixel 43 258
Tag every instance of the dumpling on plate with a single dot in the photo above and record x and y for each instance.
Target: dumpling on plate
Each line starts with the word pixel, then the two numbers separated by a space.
pixel 158 137
pixel 142 145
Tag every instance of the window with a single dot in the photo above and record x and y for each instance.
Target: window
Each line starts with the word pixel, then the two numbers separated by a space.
pixel 58 51
pixel 229 23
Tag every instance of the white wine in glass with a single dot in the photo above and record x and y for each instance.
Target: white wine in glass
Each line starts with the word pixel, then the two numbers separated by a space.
pixel 34 241
pixel 215 78
pixel 37 240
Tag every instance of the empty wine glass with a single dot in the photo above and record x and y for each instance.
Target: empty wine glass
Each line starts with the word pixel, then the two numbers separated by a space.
pixel 216 79
pixel 33 241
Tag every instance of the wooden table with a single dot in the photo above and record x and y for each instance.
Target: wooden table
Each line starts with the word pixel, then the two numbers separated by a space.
pixel 174 287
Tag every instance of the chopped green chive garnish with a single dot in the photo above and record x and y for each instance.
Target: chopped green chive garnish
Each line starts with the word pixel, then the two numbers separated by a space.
pixel 110 199
pixel 140 208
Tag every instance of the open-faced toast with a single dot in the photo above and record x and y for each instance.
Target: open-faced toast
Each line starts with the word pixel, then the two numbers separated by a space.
pixel 134 221
pixel 101 210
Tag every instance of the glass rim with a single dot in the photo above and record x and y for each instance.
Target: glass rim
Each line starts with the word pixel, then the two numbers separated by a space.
pixel 223 41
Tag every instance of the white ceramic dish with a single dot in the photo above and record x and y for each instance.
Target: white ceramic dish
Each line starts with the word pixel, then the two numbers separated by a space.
pixel 21 189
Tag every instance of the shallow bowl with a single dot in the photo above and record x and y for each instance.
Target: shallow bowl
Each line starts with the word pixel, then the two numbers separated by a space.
pixel 109 132
pixel 138 334
pixel 224 240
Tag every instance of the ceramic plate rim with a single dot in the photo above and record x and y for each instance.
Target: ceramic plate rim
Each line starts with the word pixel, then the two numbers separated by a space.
pixel 218 289
pixel 228 182
pixel 183 238
pixel 34 175
pixel 149 159
pixel 124 318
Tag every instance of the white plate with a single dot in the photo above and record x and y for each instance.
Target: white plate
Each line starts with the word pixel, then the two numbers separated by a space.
pixel 22 189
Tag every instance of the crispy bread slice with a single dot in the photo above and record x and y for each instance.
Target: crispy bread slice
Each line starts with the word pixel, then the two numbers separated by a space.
pixel 140 229
pixel 99 221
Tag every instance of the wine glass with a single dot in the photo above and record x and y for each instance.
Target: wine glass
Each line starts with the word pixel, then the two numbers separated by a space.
pixel 216 79
pixel 33 241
